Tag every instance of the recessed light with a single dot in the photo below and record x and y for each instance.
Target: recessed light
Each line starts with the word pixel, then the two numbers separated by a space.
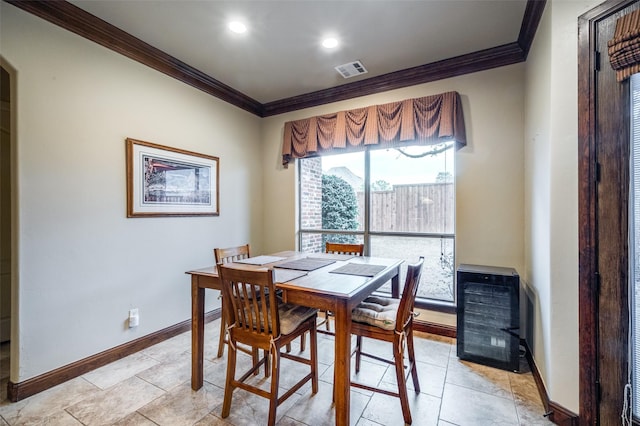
pixel 237 27
pixel 330 43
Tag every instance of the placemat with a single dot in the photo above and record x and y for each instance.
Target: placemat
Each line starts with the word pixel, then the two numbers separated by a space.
pixel 333 256
pixel 362 269
pixel 305 264
pixel 284 275
pixel 260 260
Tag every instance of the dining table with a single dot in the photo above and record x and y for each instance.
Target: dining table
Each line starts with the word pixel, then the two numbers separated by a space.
pixel 336 283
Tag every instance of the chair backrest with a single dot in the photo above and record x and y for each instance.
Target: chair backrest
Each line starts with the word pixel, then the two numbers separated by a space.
pixel 250 299
pixel 231 254
pixel 405 310
pixel 338 248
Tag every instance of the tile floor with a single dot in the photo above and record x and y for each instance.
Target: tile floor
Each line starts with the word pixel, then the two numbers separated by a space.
pixel 152 387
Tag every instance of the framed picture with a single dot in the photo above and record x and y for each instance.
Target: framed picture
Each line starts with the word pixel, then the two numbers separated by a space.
pixel 164 181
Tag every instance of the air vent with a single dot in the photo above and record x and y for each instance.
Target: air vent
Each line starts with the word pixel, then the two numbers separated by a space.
pixel 351 69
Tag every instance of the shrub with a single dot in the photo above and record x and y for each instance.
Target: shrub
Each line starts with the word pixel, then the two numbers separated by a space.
pixel 339 209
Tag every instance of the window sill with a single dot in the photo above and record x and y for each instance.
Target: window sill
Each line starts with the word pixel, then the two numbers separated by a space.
pixel 437 306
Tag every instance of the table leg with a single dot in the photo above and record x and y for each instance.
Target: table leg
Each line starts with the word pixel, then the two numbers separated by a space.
pixel 197 333
pixel 342 366
pixel 395 285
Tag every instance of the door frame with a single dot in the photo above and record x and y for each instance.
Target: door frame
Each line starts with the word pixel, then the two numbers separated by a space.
pixel 588 281
pixel 13 175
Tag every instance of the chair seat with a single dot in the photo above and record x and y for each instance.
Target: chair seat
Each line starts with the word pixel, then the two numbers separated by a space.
pixel 377 311
pixel 291 316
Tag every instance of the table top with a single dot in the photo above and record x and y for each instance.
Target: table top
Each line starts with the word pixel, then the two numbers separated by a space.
pixel 321 280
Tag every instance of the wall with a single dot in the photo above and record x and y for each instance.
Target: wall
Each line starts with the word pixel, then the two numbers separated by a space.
pixel 536 274
pixel 489 170
pixel 81 263
pixel 551 188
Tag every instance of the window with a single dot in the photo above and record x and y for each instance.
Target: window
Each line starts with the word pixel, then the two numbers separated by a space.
pixel 399 202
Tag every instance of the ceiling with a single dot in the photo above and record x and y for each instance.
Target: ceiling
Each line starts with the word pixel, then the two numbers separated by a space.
pixel 279 63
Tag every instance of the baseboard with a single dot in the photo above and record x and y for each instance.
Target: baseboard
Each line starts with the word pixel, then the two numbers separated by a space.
pixel 554 411
pixel 27 388
pixel 434 328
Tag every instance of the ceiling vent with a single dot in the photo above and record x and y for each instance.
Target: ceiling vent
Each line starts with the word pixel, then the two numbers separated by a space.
pixel 351 69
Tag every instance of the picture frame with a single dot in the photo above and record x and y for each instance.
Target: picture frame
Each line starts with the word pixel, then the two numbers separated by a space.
pixel 165 181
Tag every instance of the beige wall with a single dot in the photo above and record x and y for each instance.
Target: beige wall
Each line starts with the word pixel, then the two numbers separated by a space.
pixel 551 198
pixel 489 170
pixel 82 263
pixel 536 274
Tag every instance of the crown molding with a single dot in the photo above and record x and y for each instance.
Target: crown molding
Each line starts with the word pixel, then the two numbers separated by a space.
pixel 466 64
pixel 530 21
pixel 76 20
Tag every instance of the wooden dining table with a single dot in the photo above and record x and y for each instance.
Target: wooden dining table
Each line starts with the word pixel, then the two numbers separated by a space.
pixel 320 288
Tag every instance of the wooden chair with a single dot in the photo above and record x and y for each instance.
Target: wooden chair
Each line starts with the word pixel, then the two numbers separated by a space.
pixel 391 321
pixel 338 248
pixel 228 255
pixel 258 318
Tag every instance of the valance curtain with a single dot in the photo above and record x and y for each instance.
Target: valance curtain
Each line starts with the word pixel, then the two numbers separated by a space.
pixel 428 121
pixel 624 47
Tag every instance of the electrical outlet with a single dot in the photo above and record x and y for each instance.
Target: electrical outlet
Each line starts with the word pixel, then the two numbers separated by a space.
pixel 134 318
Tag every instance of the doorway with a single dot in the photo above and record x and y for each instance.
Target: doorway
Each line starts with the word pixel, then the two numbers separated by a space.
pixel 604 123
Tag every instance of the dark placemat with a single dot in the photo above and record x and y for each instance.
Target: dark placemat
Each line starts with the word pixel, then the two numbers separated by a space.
pixel 260 260
pixel 362 269
pixel 305 264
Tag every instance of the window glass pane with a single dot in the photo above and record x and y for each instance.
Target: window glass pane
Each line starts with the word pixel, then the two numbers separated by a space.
pixel 412 190
pixel 634 237
pixel 341 172
pixel 438 270
pixel 331 192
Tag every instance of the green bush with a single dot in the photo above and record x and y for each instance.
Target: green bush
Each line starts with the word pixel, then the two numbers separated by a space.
pixel 339 209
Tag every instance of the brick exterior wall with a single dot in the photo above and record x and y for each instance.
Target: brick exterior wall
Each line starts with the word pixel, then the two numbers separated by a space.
pixel 311 209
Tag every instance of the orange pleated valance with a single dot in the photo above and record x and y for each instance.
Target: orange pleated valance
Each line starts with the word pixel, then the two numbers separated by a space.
pixel 428 120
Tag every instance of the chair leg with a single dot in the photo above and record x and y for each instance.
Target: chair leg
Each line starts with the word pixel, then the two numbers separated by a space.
pixel 402 382
pixel 223 334
pixel 275 378
pixel 412 362
pixel 326 320
pixel 231 374
pixel 267 364
pixel 303 342
pixel 358 351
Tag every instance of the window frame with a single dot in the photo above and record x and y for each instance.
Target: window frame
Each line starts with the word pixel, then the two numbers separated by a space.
pixel 366 233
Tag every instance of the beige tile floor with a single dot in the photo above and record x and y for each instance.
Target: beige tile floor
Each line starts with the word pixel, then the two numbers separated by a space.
pixel 152 387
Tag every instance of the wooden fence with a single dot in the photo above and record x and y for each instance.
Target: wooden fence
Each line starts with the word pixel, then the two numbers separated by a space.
pixel 424 208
